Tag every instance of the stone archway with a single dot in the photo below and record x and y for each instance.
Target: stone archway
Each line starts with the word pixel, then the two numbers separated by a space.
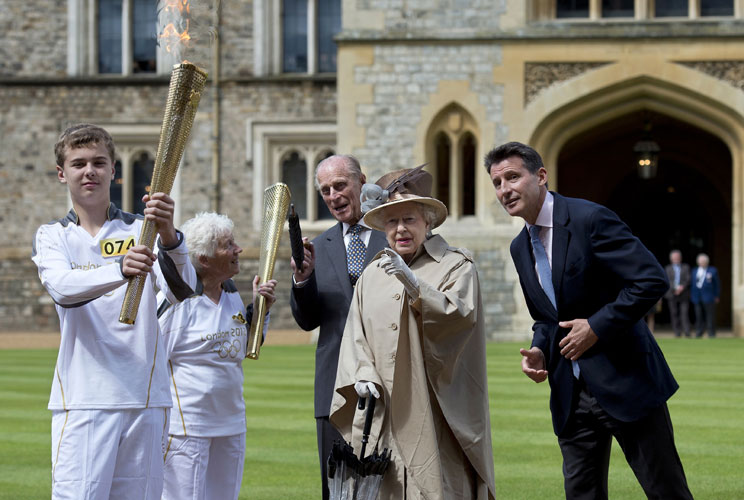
pixel 563 123
pixel 686 205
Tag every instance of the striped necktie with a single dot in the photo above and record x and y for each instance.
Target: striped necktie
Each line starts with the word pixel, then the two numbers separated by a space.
pixel 355 253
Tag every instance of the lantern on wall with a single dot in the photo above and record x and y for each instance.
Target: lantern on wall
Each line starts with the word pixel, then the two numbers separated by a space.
pixel 646 153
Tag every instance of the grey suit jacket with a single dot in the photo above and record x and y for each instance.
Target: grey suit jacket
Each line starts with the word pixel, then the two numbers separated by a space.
pixel 324 302
pixel 684 279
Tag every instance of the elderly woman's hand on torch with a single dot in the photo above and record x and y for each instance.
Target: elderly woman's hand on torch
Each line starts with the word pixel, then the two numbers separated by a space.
pixel 264 289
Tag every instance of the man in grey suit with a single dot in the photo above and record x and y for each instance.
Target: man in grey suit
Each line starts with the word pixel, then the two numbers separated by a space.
pixel 322 289
pixel 678 295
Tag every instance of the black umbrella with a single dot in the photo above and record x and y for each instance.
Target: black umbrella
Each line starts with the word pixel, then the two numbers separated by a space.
pixel 352 477
pixel 295 237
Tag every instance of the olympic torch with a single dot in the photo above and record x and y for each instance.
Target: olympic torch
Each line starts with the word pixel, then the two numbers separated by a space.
pixel 276 204
pixel 186 85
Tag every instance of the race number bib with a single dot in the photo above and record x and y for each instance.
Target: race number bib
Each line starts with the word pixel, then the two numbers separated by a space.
pixel 113 247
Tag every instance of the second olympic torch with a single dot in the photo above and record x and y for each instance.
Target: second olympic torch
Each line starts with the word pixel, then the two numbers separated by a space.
pixel 276 204
pixel 186 85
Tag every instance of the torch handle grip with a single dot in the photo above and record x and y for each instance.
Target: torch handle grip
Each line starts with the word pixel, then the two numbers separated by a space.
pixel 255 334
pixel 136 284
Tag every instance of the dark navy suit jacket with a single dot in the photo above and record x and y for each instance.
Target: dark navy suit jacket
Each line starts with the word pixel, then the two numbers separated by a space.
pixel 604 274
pixel 710 290
pixel 324 302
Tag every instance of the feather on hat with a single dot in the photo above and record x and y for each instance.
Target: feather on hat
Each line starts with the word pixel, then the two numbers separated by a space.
pixel 410 185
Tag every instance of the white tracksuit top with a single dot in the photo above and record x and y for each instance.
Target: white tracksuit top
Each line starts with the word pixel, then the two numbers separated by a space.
pixel 102 363
pixel 206 344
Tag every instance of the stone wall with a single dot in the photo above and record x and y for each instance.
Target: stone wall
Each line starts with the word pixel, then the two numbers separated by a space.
pixel 33 115
pixel 497 292
pixel 32 118
pixel 438 16
pixel 34 38
pixel 403 77
pixel 237 38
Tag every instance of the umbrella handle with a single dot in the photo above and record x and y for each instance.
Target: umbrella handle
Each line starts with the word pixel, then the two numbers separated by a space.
pixel 367 423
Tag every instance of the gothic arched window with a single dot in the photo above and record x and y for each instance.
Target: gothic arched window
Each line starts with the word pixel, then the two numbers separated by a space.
pixel 443 162
pixel 452 154
pixel 142 167
pixel 117 183
pixel 467 151
pixel 322 212
pixel 294 175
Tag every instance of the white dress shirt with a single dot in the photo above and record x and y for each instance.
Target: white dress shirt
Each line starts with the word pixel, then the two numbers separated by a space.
pixel 545 221
pixel 365 235
pixel 700 277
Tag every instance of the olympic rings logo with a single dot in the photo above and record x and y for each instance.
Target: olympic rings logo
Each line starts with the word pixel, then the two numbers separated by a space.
pixel 227 349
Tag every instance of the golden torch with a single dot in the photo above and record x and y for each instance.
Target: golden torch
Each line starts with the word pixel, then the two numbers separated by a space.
pixel 186 85
pixel 276 204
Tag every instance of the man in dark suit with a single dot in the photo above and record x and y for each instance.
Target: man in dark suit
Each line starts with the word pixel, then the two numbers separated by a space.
pixel 706 291
pixel 588 282
pixel 322 289
pixel 678 295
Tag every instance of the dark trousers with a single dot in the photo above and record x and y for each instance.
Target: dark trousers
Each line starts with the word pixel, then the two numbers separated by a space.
pixel 327 434
pixel 679 310
pixel 705 318
pixel 648 445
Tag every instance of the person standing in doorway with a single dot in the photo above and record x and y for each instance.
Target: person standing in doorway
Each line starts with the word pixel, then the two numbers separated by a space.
pixel 706 292
pixel 678 295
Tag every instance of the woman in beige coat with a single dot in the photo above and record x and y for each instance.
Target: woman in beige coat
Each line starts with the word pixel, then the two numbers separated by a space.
pixel 414 339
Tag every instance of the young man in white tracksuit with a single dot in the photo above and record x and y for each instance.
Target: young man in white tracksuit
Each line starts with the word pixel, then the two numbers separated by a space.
pixel 110 391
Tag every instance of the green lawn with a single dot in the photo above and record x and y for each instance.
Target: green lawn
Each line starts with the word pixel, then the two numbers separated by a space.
pixel 281 457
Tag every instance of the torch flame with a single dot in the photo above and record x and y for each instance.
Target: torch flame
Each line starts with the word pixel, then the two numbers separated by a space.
pixel 173 38
pixel 177 5
pixel 175 35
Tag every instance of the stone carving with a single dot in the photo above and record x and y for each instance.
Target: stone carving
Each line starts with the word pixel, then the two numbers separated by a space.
pixel 538 76
pixel 731 72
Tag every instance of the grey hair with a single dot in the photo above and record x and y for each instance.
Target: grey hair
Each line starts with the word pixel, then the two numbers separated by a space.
pixel 704 256
pixel 352 165
pixel 202 234
pixel 428 213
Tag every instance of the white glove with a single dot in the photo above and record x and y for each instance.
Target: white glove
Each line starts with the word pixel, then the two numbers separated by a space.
pixel 364 389
pixel 393 264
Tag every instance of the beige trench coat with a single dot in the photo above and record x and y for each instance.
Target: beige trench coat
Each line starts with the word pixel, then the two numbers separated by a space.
pixel 428 361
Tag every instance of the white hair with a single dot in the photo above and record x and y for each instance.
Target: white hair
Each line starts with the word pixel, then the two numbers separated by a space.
pixel 429 213
pixel 703 256
pixel 352 167
pixel 203 233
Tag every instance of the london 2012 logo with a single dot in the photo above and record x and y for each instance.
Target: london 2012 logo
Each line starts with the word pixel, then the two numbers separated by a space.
pixel 227 349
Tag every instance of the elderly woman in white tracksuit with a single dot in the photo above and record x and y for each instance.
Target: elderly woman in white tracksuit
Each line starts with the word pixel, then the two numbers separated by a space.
pixel 205 337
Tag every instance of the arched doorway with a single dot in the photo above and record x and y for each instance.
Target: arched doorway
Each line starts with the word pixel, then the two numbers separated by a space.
pixel 687 204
